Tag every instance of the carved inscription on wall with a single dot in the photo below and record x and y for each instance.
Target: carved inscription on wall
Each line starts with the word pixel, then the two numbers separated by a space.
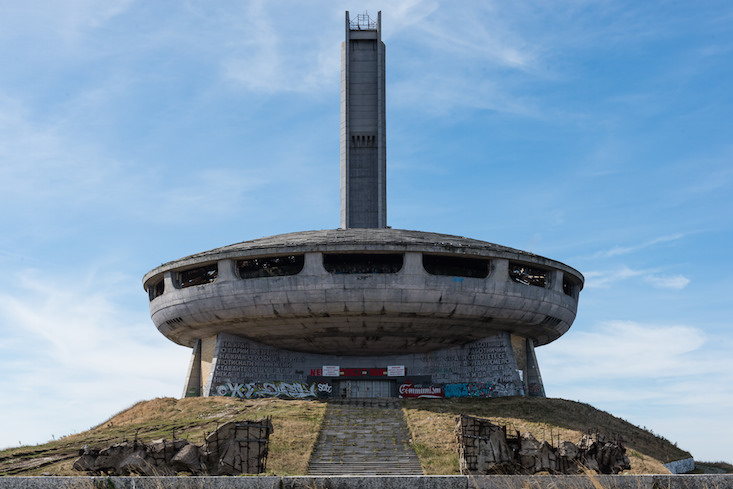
pixel 239 360
pixel 488 359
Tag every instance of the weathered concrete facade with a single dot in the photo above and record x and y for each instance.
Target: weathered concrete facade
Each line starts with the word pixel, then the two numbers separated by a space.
pixel 451 314
pixel 363 310
pixel 482 368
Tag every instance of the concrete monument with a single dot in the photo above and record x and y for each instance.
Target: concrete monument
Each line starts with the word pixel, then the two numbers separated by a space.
pixel 363 310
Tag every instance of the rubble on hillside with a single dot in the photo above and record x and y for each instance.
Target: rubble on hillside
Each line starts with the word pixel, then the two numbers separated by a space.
pixel 485 448
pixel 237 447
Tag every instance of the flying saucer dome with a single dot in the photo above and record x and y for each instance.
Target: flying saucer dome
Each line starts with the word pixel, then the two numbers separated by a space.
pixel 363 292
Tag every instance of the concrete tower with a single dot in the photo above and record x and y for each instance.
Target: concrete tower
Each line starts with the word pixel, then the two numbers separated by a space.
pixel 363 140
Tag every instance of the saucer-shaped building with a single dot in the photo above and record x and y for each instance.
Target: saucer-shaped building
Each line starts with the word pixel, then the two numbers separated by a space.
pixel 363 310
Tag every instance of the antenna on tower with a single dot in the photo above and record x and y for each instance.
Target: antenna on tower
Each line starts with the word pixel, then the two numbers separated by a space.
pixel 363 22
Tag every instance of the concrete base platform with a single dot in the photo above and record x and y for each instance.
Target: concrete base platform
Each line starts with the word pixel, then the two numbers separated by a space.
pixel 374 482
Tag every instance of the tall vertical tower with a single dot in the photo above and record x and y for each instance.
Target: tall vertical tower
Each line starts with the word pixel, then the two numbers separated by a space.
pixel 363 139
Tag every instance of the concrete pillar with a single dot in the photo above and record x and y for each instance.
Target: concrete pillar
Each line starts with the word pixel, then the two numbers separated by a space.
pixel 556 281
pixel 313 264
pixel 192 387
pixel 519 345
pixel 499 271
pixel 208 362
pixel 225 271
pixel 412 264
pixel 535 387
pixel 168 282
pixel 363 128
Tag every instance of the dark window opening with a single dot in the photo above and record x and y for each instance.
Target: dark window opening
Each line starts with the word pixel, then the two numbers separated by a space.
pixel 527 275
pixel 156 290
pixel 456 266
pixel 569 287
pixel 363 263
pixel 274 266
pixel 198 276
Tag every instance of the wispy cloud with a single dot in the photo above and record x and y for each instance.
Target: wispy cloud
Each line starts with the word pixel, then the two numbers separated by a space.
pixel 280 53
pixel 676 282
pixel 625 250
pixel 67 336
pixel 53 173
pixel 605 278
pixel 65 22
pixel 638 371
pixel 635 350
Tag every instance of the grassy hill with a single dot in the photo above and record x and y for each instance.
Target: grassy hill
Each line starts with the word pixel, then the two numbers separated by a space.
pixel 296 426
pixel 548 419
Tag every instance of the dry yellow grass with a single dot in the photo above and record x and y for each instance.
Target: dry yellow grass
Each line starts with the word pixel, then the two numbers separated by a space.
pixel 296 425
pixel 432 421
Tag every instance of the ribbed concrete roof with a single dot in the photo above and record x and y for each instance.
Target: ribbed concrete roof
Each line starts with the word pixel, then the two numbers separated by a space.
pixel 356 239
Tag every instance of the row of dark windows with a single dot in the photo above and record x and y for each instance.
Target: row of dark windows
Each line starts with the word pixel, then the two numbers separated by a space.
pixel 363 263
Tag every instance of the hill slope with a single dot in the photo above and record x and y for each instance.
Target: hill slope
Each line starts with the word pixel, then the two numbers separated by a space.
pixel 296 426
pixel 432 424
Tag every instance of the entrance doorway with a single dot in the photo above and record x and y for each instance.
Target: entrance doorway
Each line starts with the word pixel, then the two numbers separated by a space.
pixel 365 388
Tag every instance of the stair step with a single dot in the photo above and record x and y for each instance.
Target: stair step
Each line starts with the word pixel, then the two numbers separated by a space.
pixel 364 436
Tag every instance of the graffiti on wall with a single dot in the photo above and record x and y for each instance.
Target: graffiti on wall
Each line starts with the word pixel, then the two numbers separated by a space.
pixel 466 389
pixel 285 390
pixel 408 389
pixel 478 389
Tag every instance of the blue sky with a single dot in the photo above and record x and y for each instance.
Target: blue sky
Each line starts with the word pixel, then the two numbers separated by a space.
pixel 597 133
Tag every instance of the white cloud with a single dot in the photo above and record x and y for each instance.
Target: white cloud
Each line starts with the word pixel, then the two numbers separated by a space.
pixel 625 250
pixel 65 21
pixel 671 378
pixel 280 53
pixel 677 282
pixel 626 350
pixel 53 174
pixel 73 354
pixel 604 278
pixel 601 279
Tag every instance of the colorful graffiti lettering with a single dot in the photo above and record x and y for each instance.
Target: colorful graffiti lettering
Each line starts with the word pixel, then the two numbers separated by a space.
pixel 456 390
pixel 287 390
pixel 478 389
pixel 408 389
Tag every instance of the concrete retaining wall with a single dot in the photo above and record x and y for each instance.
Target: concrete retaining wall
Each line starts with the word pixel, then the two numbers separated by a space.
pixel 376 482
pixel 683 466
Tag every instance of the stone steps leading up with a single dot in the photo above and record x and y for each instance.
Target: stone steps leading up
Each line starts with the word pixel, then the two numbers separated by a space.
pixel 364 437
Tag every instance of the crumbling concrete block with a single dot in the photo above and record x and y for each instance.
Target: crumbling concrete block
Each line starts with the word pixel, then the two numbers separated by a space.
pixel 485 448
pixel 237 447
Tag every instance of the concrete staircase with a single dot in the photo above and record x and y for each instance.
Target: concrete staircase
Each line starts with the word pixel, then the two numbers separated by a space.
pixel 364 437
